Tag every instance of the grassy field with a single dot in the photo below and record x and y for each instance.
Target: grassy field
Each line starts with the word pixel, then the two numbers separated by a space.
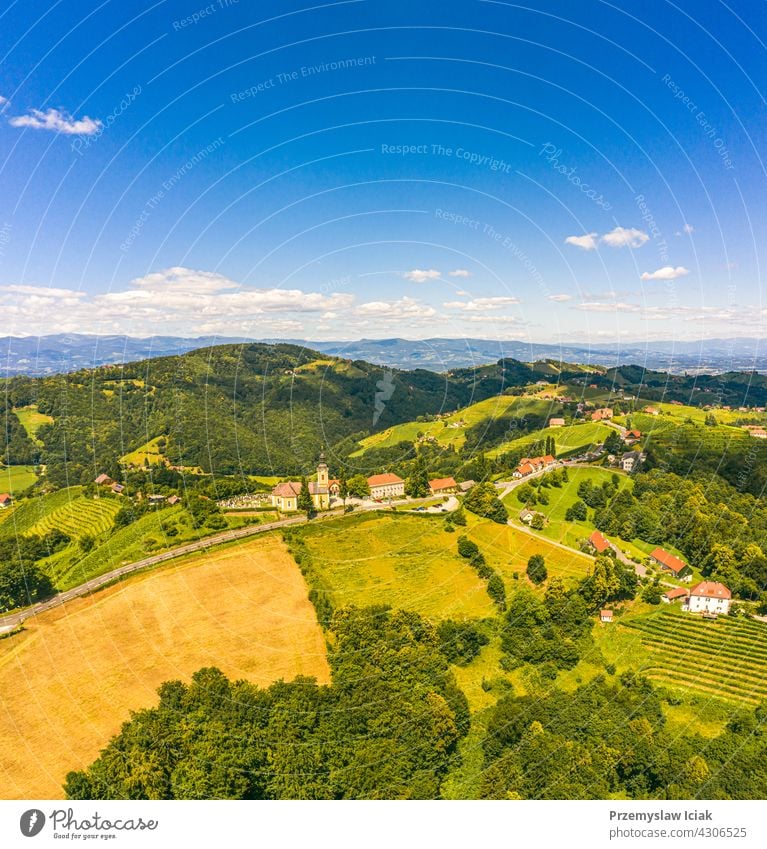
pixel 149 452
pixel 452 429
pixel 14 479
pixel 31 419
pixel 508 549
pixel 562 498
pixel 69 680
pixel 406 561
pixel 566 439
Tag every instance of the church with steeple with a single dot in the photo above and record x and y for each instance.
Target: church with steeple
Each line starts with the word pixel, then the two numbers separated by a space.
pixel 285 495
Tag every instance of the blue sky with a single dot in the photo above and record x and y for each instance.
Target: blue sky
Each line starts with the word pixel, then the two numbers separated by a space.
pixel 574 172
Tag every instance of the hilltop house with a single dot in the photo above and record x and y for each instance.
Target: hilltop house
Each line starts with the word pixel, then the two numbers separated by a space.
pixel 528 465
pixel 709 597
pixel 669 563
pixel 441 486
pixel 631 436
pixel 605 616
pixel 103 480
pixel 556 422
pixel 5 500
pixel 599 543
pixel 631 460
pixel 602 413
pixel 386 485
pixel 285 495
pixel 651 411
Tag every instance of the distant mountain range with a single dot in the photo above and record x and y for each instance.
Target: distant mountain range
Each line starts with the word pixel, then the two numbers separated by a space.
pixel 35 356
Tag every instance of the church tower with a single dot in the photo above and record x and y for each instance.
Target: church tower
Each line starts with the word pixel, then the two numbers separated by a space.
pixel 322 474
pixel 322 493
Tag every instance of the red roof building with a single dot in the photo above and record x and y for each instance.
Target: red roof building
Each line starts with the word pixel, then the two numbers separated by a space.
pixel 668 561
pixel 606 615
pixel 599 542
pixel 383 479
pixel 677 592
pixel 710 589
pixel 5 500
pixel 443 485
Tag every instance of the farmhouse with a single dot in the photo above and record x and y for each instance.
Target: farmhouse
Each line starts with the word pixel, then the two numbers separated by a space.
pixel 5 500
pixel 285 495
pixel 103 480
pixel 465 486
pixel 599 542
pixel 631 461
pixel 334 487
pixel 117 488
pixel 632 436
pixel 556 422
pixel 675 594
pixel 668 562
pixel 441 485
pixel 386 485
pixel 651 411
pixel 601 414
pixel 528 465
pixel 605 615
pixel 173 499
pixel 709 597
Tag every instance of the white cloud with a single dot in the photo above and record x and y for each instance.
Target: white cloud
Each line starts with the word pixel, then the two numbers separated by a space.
pixel 461 293
pixel 481 304
pixel 460 272
pixel 587 242
pixel 178 300
pixel 560 297
pixel 3 103
pixel 622 237
pixel 417 275
pixel 602 306
pixel 403 308
pixel 668 272
pixel 688 228
pixel 57 121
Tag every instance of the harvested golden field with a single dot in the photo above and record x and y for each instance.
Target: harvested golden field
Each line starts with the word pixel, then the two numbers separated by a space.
pixel 70 679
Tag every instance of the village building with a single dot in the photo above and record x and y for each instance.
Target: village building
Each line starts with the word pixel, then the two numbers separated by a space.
pixel 631 460
pixel 651 411
pixel 173 499
pixel 675 595
pixel 441 486
pixel 556 422
pixel 103 480
pixel 285 495
pixel 465 486
pixel 632 436
pixel 669 563
pixel 117 488
pixel 605 615
pixel 156 499
pixel 709 597
pixel 599 543
pixel 386 485
pixel 528 465
pixel 601 414
pixel 5 500
pixel 334 487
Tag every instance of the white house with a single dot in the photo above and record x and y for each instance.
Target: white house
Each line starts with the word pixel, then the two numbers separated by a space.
pixel 709 597
pixel 386 485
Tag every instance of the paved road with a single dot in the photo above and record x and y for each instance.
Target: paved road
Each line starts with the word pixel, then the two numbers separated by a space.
pixel 8 623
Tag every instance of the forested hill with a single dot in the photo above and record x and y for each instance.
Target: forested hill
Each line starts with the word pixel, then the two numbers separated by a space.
pixel 253 408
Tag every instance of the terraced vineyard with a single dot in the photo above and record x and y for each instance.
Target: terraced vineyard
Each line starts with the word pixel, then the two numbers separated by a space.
pixel 29 513
pixel 80 516
pixel 725 658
